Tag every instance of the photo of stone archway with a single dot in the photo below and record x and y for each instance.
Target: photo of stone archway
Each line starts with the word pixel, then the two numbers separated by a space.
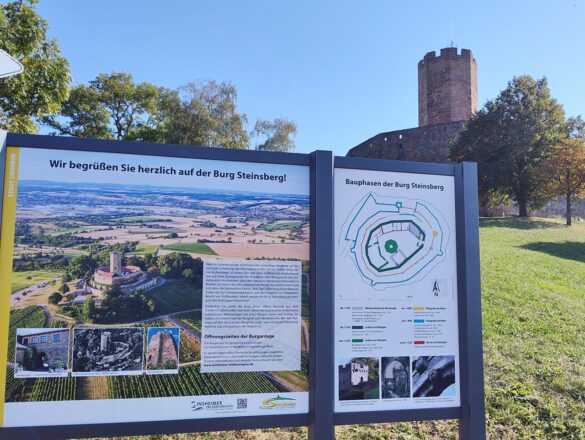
pixel 41 352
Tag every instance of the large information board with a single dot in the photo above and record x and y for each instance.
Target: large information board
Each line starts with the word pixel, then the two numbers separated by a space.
pixel 140 288
pixel 152 289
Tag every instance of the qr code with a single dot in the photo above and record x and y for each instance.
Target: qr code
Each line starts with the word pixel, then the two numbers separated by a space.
pixel 242 403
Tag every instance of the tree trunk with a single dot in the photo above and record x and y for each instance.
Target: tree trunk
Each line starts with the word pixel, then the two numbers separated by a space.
pixel 569 213
pixel 523 208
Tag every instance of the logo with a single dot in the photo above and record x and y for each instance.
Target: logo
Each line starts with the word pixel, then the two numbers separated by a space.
pixel 279 403
pixel 212 405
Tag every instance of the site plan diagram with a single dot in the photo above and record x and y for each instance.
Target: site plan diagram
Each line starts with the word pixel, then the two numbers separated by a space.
pixel 394 240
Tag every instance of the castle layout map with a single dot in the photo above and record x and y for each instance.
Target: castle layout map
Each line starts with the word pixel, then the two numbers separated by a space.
pixel 394 240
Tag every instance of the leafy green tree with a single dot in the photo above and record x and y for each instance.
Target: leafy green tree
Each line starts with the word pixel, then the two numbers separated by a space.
pixel 81 266
pixel 55 298
pixel 64 288
pixel 88 309
pixel 277 135
pixel 204 113
pixel 43 86
pixel 509 138
pixel 85 116
pixel 564 170
pixel 112 106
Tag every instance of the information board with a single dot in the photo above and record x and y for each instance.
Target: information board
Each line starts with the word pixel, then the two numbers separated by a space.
pixel 148 288
pixel 396 314
pixel 158 289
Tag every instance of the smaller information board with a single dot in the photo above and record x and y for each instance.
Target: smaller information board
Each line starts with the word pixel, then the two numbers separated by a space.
pixel 396 322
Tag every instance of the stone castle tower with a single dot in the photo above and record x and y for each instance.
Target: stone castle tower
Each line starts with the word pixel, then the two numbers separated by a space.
pixel 447 87
pixel 447 98
pixel 116 262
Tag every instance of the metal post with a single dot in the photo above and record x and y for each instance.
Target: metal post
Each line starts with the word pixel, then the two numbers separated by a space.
pixel 321 299
pixel 472 422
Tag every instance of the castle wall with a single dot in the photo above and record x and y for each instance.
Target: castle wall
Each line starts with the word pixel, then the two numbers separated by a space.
pixel 421 144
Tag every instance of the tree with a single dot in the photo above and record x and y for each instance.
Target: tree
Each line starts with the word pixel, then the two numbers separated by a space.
pixel 80 266
pixel 55 298
pixel 64 288
pixel 89 309
pixel 564 170
pixel 203 113
pixel 43 86
pixel 510 138
pixel 112 106
pixel 86 115
pixel 278 135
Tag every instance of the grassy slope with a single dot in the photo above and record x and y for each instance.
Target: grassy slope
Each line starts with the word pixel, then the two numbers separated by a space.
pixel 19 279
pixel 533 276
pixel 196 248
pixel 175 296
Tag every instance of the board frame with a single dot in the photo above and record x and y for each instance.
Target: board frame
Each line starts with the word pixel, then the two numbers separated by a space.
pixel 321 418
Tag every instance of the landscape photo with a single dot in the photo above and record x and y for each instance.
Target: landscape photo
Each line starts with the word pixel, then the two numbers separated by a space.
pixel 98 249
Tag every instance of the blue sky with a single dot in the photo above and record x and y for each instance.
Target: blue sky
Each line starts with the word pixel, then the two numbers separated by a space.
pixel 342 70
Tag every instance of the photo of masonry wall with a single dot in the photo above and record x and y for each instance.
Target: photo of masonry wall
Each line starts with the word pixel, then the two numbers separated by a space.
pixel 107 351
pixel 162 350
pixel 433 376
pixel 395 377
pixel 359 379
pixel 41 352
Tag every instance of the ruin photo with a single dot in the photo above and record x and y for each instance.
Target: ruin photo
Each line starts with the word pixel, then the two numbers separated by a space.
pixel 41 352
pixel 108 351
pixel 359 379
pixel 162 349
pixel 433 376
pixel 395 377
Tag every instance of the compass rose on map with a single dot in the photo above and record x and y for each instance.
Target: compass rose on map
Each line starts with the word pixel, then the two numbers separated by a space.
pixel 394 241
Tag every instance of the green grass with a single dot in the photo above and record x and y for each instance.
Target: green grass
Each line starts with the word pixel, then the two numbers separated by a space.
pixel 20 279
pixel 73 231
pixel 143 249
pixel 285 226
pixel 138 219
pixel 195 248
pixel 174 296
pixel 153 231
